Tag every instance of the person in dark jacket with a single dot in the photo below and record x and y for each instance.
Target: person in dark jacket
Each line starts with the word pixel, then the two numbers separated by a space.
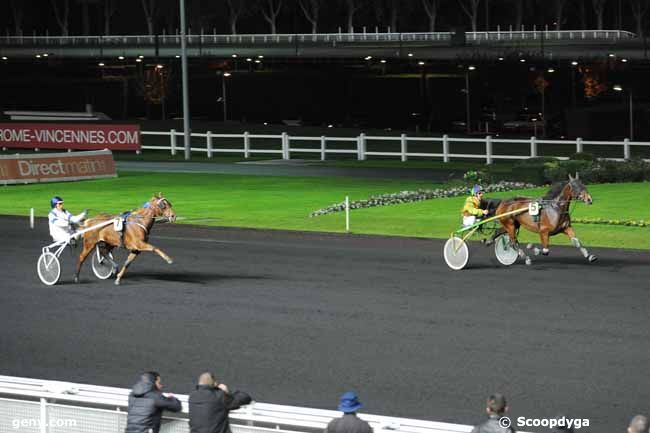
pixel 146 404
pixel 349 422
pixel 210 404
pixel 497 422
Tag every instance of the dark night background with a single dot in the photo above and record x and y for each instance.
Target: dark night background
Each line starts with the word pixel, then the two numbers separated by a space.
pixel 344 92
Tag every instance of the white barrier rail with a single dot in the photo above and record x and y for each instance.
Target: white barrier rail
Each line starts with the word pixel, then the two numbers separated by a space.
pixel 54 406
pixel 528 147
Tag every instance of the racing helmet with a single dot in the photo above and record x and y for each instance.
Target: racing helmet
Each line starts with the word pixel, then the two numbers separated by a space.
pixel 55 200
pixel 476 189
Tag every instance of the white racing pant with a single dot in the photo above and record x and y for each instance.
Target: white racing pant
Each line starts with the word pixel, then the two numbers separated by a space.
pixel 469 220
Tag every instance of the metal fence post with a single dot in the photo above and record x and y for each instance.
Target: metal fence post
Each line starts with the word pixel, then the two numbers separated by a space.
pixel 578 145
pixel 361 147
pixel 247 145
pixel 404 147
pixel 488 149
pixel 445 148
pixel 209 143
pixel 43 416
pixel 626 149
pixel 285 146
pixel 323 150
pixel 172 141
pixel 533 147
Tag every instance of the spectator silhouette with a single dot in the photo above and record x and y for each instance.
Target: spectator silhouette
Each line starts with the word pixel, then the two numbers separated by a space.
pixel 210 404
pixel 496 408
pixel 146 404
pixel 639 424
pixel 349 422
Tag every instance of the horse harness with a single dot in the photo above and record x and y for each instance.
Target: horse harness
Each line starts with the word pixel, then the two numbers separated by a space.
pixel 124 219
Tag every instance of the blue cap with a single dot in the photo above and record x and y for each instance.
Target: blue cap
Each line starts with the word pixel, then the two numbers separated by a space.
pixel 349 402
pixel 55 200
pixel 476 189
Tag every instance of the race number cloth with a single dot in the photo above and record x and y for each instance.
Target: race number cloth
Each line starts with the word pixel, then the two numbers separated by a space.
pixel 56 167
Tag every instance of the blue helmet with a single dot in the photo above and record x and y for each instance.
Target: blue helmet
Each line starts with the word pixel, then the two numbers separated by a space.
pixel 476 189
pixel 55 200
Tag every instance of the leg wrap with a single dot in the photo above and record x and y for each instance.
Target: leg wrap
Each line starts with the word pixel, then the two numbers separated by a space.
pixel 545 251
pixel 576 242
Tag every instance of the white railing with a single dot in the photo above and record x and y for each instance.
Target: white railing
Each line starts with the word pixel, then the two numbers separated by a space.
pixel 53 407
pixel 282 146
pixel 322 38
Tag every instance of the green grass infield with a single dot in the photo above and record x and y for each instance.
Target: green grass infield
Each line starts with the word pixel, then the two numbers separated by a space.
pixel 285 203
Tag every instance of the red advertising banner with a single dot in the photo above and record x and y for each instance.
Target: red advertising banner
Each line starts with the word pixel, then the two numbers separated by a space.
pixel 70 136
pixel 56 167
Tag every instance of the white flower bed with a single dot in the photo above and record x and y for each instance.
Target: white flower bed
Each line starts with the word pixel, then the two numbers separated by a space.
pixel 419 195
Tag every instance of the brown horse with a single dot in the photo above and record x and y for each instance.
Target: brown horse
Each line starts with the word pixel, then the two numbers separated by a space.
pixel 133 236
pixel 553 216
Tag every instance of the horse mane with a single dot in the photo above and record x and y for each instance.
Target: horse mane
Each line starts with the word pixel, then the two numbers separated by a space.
pixel 555 191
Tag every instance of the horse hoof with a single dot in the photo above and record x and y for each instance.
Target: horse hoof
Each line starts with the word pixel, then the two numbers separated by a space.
pixel 545 252
pixel 528 261
pixel 536 251
pixel 76 279
pixel 117 282
pixel 170 261
pixel 529 246
pixel 592 258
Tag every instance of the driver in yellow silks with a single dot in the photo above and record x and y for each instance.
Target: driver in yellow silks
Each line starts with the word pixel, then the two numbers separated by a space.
pixel 472 208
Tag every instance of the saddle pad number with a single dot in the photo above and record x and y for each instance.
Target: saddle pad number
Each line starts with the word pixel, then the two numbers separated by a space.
pixel 117 224
pixel 533 208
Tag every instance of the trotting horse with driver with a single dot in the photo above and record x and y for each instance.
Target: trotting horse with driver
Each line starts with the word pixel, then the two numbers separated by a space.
pixel 133 236
pixel 554 216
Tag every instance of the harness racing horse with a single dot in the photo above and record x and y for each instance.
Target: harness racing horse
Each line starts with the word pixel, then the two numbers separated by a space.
pixel 133 236
pixel 553 217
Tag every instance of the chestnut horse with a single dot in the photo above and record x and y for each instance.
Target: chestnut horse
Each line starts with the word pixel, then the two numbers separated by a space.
pixel 133 236
pixel 553 216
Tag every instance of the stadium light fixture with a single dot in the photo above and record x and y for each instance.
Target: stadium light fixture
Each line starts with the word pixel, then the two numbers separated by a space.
pixel 249 59
pixel 410 54
pixel 234 56
pixel 5 58
pixel 624 60
pixel 574 63
pixel 121 57
pixel 159 66
pixel 139 60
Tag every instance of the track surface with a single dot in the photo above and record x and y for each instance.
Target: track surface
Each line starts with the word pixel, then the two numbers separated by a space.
pixel 298 318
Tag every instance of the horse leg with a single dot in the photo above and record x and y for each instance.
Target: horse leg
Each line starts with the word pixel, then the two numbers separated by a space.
pixel 576 243
pixel 144 246
pixel 544 236
pixel 129 259
pixel 512 233
pixel 105 250
pixel 88 247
